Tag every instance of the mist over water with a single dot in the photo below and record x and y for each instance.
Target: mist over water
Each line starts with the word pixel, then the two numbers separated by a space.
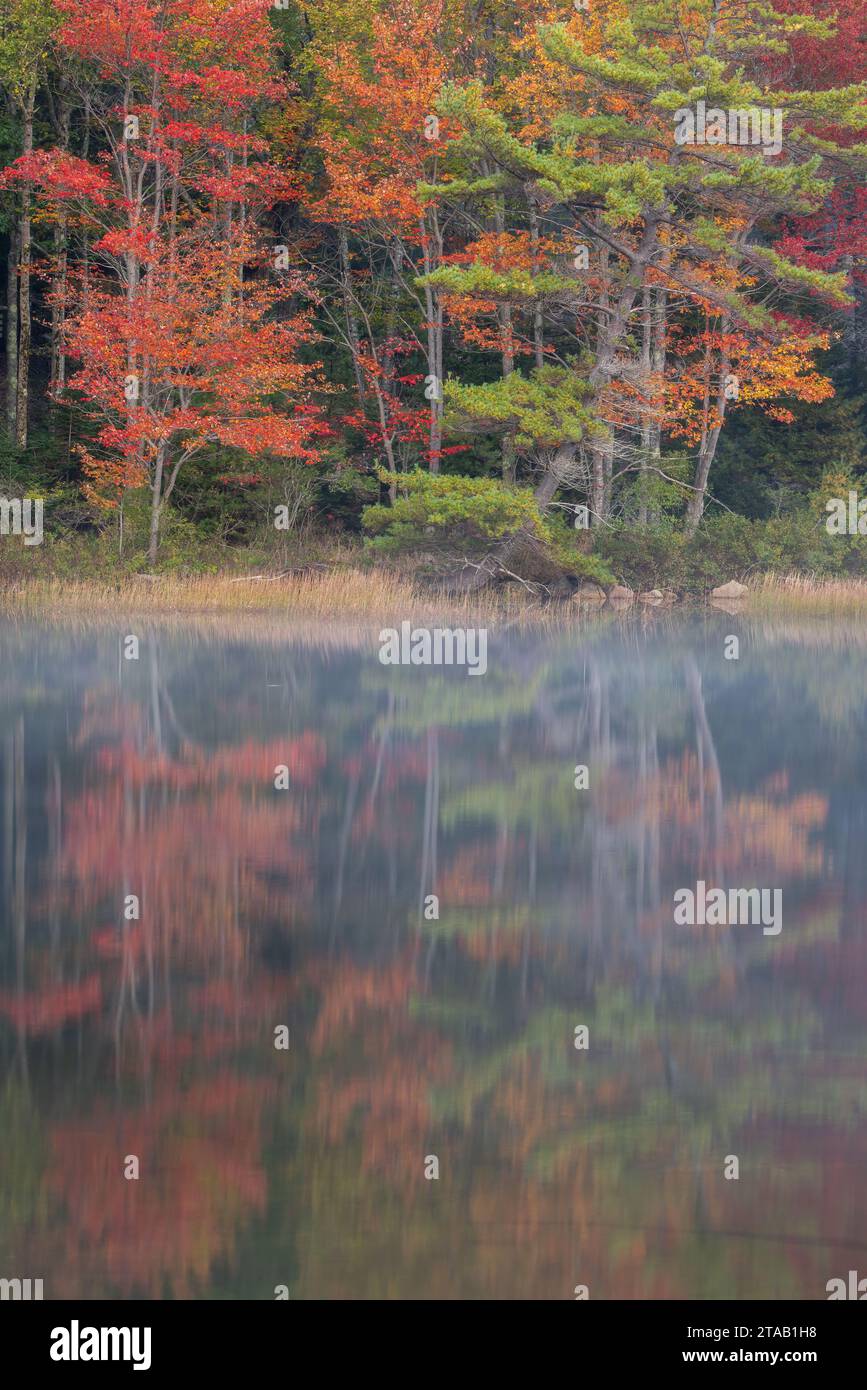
pixel 431 907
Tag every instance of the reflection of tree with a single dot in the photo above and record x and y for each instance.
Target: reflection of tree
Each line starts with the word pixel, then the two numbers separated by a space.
pixel 413 1035
pixel 707 757
pixel 210 849
pixel 201 1179
pixel 143 816
pixel 690 1045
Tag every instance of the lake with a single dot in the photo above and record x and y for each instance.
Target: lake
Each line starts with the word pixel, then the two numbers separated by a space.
pixel 322 978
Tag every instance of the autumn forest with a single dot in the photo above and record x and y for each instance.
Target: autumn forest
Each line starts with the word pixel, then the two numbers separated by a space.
pixel 342 959
pixel 573 292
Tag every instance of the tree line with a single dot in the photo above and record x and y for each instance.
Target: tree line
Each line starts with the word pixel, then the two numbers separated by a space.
pixel 511 284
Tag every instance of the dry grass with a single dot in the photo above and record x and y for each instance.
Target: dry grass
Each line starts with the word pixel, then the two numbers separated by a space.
pixel 803 593
pixel 344 594
pixel 351 596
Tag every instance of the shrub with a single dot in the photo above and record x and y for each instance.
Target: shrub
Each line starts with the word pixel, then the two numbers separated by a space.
pixel 446 510
pixel 456 516
pixel 726 547
pixel 647 557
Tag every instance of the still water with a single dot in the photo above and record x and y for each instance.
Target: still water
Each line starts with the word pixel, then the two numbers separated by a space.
pixel 428 909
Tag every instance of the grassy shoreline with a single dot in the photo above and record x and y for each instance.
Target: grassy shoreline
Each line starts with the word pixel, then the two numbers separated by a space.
pixel 376 595
pixel 802 593
pixel 345 593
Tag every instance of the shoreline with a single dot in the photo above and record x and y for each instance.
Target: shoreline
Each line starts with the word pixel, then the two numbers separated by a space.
pixel 377 595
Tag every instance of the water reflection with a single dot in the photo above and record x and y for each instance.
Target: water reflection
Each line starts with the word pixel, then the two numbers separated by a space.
pixel 150 1031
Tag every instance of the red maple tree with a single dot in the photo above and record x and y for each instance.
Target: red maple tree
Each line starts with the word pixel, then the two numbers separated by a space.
pixel 182 336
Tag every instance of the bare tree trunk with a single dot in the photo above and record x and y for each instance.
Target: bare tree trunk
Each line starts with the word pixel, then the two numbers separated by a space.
pixel 646 423
pixel 709 441
pixel 395 257
pixel 613 327
pixel 58 305
pixel 352 331
pixel 59 279
pixel 659 325
pixel 386 394
pixel 538 313
pixel 156 504
pixel 433 309
pixel 504 313
pixel 509 460
pixel 24 280
pixel 12 332
pixel 598 504
pixel 654 310
pixel 695 508
pixel 601 457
